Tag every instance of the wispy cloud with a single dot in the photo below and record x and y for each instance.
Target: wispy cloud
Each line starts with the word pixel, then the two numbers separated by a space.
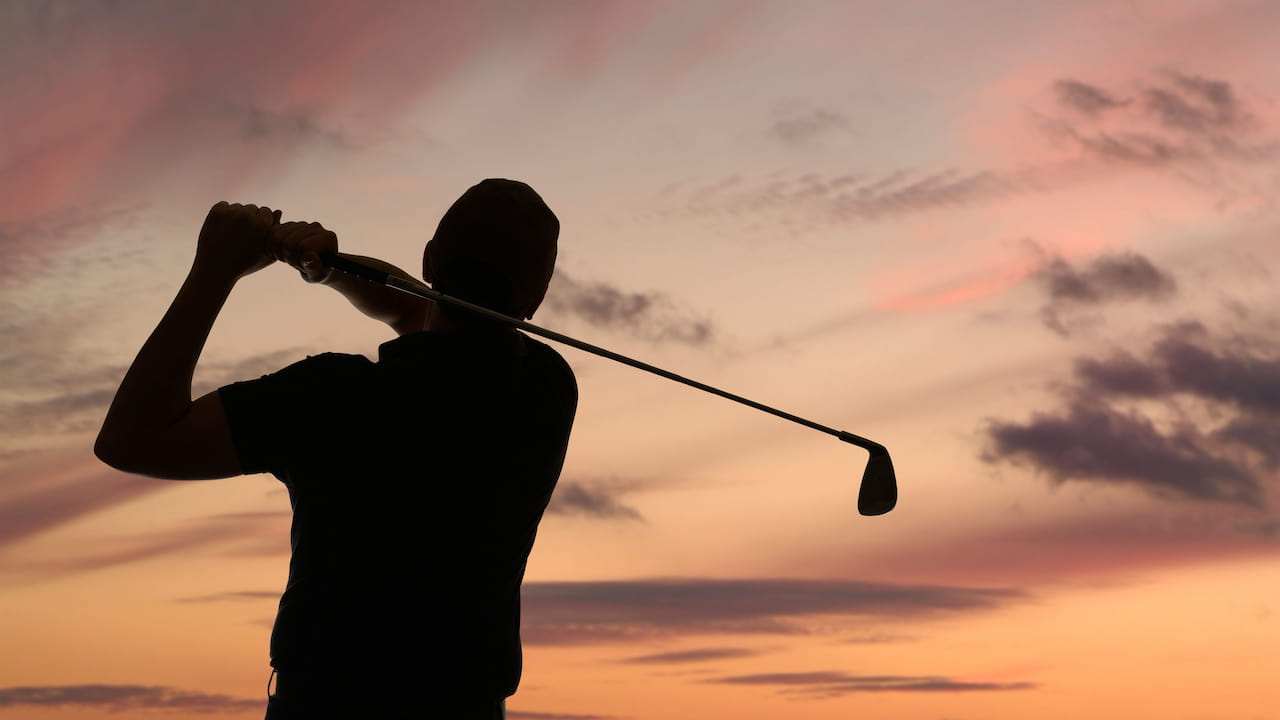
pixel 848 197
pixel 1090 440
pixel 1196 104
pixel 1177 118
pixel 530 715
pixel 54 391
pixel 570 613
pixel 1114 277
pixel 31 504
pixel 647 315
pixel 231 596
pixel 598 500
pixel 803 126
pixel 125 698
pixel 698 655
pixel 1086 98
pixel 827 684
pixel 1198 130
pixel 230 532
pixel 30 244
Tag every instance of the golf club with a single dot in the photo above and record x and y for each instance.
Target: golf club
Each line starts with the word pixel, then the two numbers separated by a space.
pixel 878 493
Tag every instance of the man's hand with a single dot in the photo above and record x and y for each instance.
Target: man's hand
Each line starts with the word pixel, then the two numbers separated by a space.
pixel 300 245
pixel 235 240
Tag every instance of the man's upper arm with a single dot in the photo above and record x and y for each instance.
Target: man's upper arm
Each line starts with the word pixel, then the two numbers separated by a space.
pixel 197 447
pixel 413 321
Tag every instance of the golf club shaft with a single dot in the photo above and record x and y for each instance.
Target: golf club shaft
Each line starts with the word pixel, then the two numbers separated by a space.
pixel 413 287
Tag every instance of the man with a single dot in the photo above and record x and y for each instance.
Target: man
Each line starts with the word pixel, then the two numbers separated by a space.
pixel 417 482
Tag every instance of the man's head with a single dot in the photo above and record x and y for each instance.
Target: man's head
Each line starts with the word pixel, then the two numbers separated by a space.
pixel 496 247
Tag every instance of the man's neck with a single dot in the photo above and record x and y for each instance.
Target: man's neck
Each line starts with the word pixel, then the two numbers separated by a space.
pixel 437 320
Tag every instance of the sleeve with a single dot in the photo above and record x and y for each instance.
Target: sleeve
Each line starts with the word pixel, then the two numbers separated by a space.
pixel 273 419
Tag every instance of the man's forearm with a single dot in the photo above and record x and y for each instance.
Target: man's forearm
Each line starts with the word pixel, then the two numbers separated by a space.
pixel 377 301
pixel 156 391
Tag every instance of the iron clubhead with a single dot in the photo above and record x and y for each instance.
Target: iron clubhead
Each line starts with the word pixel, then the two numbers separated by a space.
pixel 878 493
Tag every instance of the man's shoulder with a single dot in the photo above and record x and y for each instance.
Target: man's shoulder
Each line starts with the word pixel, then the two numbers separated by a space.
pixel 550 359
pixel 325 364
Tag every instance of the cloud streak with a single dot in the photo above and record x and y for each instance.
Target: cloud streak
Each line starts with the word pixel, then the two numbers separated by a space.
pixel 125 698
pixel 847 198
pixel 574 613
pixel 683 657
pixel 31 506
pixel 530 715
pixel 649 316
pixel 232 532
pixel 828 684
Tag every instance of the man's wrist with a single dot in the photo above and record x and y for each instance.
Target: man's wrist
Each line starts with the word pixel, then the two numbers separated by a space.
pixel 211 278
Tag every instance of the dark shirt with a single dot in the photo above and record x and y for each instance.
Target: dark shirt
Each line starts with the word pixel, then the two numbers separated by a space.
pixel 417 484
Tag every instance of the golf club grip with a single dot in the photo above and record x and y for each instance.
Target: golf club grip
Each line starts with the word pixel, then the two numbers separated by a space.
pixel 351 267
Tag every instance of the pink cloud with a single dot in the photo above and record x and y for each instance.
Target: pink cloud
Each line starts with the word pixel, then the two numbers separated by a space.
pixel 898 293
pixel 115 95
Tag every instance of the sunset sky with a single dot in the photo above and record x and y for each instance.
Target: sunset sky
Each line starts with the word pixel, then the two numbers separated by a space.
pixel 1030 247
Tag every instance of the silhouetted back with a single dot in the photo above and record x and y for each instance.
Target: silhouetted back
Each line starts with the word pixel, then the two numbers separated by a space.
pixel 417 484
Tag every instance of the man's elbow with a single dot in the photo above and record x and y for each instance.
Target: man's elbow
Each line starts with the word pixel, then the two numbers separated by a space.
pixel 106 452
pixel 114 452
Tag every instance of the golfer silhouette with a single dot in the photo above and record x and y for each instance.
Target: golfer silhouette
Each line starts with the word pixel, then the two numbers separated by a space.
pixel 417 482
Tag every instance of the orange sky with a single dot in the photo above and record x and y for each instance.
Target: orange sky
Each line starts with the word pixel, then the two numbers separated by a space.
pixel 1029 247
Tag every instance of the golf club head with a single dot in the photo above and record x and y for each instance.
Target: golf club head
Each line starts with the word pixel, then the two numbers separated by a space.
pixel 878 493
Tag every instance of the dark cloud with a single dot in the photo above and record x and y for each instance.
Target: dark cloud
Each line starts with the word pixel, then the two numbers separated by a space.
pixel 598 501
pixel 528 715
pixel 568 613
pixel 1183 359
pixel 125 698
pixel 1258 432
pixel 1267 529
pixel 1109 278
pixel 649 316
pixel 1195 104
pixel 1178 118
pixel 690 656
pixel 799 128
pixel 260 124
pixel 1123 276
pixel 1096 443
pixel 1121 374
pixel 835 684
pixel 1090 440
pixel 1086 98
pixel 235 595
pixel 1235 377
pixel 1134 147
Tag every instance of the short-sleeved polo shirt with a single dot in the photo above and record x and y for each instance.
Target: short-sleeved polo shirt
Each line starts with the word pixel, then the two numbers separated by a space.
pixel 417 483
